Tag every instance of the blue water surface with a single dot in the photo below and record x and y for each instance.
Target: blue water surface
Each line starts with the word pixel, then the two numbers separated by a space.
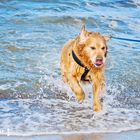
pixel 33 98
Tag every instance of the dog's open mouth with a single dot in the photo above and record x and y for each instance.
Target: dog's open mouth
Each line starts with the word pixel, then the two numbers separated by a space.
pixel 99 62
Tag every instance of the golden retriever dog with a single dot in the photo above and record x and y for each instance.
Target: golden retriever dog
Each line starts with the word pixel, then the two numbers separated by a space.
pixel 83 60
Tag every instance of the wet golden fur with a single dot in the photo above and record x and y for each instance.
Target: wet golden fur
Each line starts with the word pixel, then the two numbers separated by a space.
pixel 88 46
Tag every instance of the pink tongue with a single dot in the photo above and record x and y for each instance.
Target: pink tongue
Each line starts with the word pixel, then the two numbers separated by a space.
pixel 99 62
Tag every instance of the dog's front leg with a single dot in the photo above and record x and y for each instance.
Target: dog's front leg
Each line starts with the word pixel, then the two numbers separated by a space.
pixel 76 88
pixel 96 91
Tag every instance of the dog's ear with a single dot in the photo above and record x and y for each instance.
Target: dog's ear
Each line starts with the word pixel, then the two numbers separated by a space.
pixel 107 38
pixel 83 34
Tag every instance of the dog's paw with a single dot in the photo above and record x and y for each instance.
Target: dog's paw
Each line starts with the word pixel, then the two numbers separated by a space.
pixel 80 98
pixel 97 107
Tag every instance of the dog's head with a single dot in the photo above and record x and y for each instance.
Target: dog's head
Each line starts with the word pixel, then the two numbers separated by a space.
pixel 94 47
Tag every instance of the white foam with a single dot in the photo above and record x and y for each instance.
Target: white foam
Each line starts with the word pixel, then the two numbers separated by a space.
pixel 61 116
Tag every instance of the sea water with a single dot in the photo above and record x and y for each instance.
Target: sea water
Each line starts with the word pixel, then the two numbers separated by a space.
pixel 33 98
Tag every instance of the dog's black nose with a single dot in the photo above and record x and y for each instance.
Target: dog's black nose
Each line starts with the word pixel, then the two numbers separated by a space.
pixel 99 58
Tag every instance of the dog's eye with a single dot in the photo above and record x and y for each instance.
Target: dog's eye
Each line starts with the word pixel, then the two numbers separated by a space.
pixel 103 48
pixel 93 48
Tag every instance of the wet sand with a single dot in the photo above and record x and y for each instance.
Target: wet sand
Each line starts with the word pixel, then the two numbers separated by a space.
pixel 129 135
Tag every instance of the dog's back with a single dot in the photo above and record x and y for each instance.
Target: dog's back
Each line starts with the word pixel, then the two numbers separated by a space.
pixel 65 58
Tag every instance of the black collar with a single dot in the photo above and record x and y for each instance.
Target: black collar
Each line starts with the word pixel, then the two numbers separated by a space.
pixel 83 77
pixel 77 59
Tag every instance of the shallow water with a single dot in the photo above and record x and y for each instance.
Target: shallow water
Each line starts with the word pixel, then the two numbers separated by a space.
pixel 33 98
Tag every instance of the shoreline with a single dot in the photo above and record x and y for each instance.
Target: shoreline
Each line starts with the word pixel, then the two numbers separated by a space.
pixel 127 135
